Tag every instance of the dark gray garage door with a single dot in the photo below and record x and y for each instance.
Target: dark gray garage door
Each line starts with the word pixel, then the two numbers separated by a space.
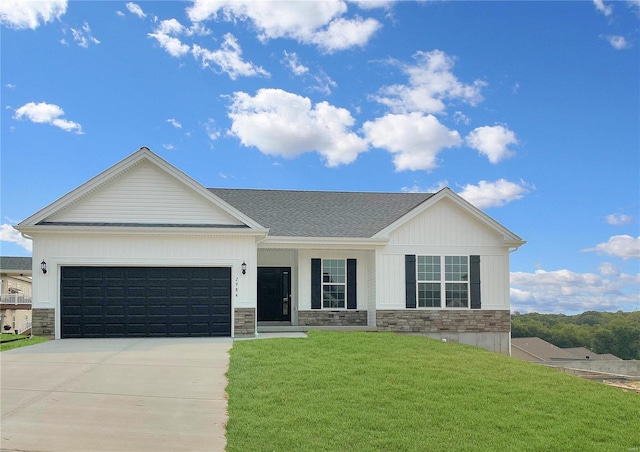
pixel 145 301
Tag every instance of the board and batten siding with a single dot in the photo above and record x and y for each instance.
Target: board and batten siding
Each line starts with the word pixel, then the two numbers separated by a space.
pixel 142 250
pixel 443 230
pixel 445 223
pixel 147 195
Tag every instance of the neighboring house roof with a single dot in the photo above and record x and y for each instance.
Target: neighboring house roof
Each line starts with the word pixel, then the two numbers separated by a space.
pixel 17 265
pixel 536 349
pixel 585 353
pixel 291 213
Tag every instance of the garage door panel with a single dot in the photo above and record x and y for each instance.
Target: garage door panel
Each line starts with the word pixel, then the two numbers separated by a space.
pixel 145 301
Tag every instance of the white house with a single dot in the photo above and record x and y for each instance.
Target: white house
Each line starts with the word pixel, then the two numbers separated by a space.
pixel 144 250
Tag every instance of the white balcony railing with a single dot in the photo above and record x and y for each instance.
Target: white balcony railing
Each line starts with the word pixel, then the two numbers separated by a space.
pixel 15 298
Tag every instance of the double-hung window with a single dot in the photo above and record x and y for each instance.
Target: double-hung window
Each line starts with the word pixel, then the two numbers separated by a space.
pixel 436 286
pixel 334 283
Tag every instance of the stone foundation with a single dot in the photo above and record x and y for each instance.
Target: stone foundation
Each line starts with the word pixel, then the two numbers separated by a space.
pixel 490 330
pixel 350 317
pixel 43 322
pixel 244 322
pixel 451 321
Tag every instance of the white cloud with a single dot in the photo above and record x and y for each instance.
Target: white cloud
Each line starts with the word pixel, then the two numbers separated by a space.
pixel 461 118
pixel 567 291
pixel 166 33
pixel 618 219
pixel 43 113
pixel 415 140
pixel 174 123
pixel 343 34
pixel 494 194
pixel 136 9
pixel 8 234
pixel 287 125
pixel 212 131
pixel 607 10
pixel 228 59
pixel 623 246
pixel 618 42
pixel 431 82
pixel 322 83
pixel 608 269
pixel 318 81
pixel 309 22
pixel 120 13
pixel 10 86
pixel 83 36
pixel 169 147
pixel 292 62
pixel 492 141
pixel 433 189
pixel 21 14
pixel 372 4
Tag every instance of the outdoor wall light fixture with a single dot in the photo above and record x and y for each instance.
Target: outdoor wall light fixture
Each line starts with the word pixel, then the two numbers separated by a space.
pixel 43 267
pixel 244 268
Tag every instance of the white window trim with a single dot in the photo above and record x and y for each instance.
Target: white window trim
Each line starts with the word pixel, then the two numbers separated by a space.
pixel 443 283
pixel 323 284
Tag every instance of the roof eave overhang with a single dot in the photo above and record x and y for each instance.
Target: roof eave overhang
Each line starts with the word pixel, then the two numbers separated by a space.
pixel 514 243
pixel 322 242
pixel 142 229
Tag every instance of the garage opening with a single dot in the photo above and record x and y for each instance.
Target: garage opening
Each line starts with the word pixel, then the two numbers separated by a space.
pixel 145 302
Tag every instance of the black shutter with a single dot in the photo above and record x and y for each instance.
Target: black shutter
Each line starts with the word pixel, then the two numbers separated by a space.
pixel 352 297
pixel 316 283
pixel 410 279
pixel 474 280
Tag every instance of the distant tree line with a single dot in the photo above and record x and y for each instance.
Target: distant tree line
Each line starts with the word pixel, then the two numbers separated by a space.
pixel 602 332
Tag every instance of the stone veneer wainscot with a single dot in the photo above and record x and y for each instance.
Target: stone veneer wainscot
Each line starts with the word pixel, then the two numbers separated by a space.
pixel 244 322
pixel 443 321
pixel 332 318
pixel 43 322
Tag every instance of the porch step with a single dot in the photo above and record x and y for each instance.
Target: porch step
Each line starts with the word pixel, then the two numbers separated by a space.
pixel 304 329
pixel 281 329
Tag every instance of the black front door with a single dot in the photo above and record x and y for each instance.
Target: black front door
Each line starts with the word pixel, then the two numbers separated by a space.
pixel 274 294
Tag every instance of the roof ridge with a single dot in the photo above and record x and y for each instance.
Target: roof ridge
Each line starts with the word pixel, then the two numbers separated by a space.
pixel 321 191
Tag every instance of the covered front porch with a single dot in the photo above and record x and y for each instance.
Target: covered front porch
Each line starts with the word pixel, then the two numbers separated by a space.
pixel 284 291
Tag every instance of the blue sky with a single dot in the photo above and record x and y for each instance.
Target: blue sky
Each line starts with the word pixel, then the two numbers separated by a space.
pixel 529 110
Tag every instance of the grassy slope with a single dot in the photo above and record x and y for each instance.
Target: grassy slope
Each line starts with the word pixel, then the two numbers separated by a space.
pixel 376 391
pixel 18 343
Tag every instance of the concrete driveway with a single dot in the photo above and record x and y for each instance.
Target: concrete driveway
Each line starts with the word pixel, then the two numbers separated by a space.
pixel 115 395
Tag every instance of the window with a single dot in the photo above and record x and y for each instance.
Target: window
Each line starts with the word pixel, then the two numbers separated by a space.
pixel 334 282
pixel 433 282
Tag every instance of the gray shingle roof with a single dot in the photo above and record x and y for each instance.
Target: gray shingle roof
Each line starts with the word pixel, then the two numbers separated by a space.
pixel 540 348
pixel 293 213
pixel 15 263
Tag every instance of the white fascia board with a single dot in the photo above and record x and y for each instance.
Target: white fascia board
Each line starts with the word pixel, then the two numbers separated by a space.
pixel 146 230
pixel 510 239
pixel 129 162
pixel 322 242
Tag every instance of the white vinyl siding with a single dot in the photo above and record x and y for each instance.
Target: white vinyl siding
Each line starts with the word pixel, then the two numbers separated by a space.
pixel 445 223
pixel 141 250
pixel 144 194
pixel 443 230
pixel 304 274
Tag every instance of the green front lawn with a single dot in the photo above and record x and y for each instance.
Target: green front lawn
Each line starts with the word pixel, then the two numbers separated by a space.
pixel 9 342
pixel 380 391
